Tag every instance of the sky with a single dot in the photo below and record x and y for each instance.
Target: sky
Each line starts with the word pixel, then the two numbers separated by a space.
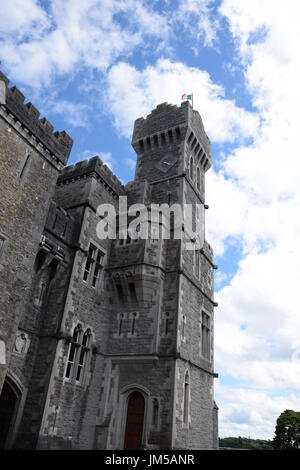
pixel 93 67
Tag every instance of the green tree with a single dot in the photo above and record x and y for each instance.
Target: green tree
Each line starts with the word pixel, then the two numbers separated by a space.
pixel 287 432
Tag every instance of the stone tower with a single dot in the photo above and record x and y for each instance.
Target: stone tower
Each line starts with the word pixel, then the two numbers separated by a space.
pixel 31 157
pixel 108 343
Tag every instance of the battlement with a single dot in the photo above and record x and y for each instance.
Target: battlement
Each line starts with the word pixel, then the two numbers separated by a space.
pixel 92 166
pixel 168 123
pixel 58 143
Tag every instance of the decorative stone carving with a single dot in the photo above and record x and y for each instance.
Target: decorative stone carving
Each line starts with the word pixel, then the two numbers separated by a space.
pixel 22 343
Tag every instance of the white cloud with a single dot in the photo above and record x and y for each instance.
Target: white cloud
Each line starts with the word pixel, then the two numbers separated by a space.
pixel 72 35
pixel 133 93
pixel 245 412
pixel 255 200
pixel 20 18
pixel 75 114
pixel 196 16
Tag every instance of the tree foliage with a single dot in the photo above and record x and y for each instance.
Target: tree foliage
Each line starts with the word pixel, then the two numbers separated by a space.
pixel 287 432
pixel 244 443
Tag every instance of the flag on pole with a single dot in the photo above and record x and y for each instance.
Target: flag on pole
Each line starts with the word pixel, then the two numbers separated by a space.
pixel 187 97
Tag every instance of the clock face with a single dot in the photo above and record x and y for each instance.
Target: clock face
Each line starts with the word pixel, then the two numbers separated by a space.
pixel 166 162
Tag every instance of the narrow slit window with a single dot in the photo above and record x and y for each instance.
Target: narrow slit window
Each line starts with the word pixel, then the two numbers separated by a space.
pixel 205 335
pixel 25 166
pixel 155 412
pixel 2 240
pixel 120 292
pixel 197 263
pixel 55 222
pixel 190 137
pixel 177 131
pixel 155 140
pixel 183 326
pixel 65 229
pixel 132 292
pixel 163 138
pixel 191 168
pixel 170 134
pixel 167 323
pixel 198 178
pixel 98 268
pixel 89 262
pixel 133 321
pixel 120 328
pixel 186 399
pixel 41 293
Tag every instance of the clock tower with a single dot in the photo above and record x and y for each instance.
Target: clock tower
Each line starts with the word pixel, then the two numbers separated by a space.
pixel 174 289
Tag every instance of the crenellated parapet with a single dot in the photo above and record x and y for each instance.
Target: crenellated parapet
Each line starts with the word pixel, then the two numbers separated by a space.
pixel 169 124
pixel 57 143
pixel 92 167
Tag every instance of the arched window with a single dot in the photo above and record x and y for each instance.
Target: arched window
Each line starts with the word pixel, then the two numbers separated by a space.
pixel 78 351
pixel 191 168
pixel 186 393
pixel 198 178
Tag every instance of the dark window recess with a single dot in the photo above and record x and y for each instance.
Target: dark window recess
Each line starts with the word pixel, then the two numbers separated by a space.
pixel 39 260
pixel 98 267
pixel 25 166
pixel 133 323
pixel 155 140
pixel 155 412
pixel 190 137
pixel 163 138
pixel 120 293
pixel 167 323
pixel 55 222
pixel 170 134
pixel 132 292
pixel 205 336
pixel 191 168
pixel 186 399
pixel 148 142
pixel 1 245
pixel 177 131
pixel 141 145
pixel 120 324
pixel 198 179
pixel 65 229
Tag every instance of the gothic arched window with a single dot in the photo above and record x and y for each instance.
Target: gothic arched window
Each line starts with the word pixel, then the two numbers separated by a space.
pixel 78 352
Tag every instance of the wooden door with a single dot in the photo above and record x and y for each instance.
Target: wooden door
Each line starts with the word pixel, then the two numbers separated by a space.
pixel 134 422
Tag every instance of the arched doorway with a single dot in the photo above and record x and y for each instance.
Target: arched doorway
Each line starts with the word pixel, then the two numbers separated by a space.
pixel 9 401
pixel 134 421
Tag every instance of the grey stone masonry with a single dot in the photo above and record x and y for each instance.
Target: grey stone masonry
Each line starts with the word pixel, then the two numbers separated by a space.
pixel 90 325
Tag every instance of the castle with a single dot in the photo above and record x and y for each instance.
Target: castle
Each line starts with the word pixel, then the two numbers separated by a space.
pixel 104 344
